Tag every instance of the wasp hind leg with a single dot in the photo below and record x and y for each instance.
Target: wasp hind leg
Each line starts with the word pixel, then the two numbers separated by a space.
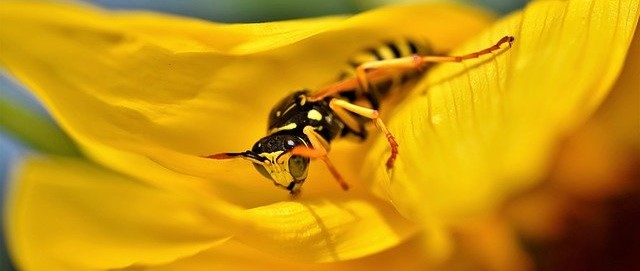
pixel 375 71
pixel 319 150
pixel 417 62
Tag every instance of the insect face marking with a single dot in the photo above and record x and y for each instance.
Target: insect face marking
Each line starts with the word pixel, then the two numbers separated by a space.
pixel 284 169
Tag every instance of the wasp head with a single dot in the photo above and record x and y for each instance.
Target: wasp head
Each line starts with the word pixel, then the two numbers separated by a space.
pixel 276 162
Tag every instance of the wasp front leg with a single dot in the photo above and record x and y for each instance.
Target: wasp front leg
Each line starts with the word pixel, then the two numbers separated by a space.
pixel 319 149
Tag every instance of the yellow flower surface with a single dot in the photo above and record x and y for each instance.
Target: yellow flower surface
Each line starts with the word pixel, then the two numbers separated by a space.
pixel 475 133
pixel 146 95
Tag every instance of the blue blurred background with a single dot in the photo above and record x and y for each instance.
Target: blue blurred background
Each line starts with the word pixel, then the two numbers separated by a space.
pixel 19 110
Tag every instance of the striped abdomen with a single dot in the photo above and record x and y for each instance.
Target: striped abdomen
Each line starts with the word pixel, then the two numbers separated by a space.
pixel 386 50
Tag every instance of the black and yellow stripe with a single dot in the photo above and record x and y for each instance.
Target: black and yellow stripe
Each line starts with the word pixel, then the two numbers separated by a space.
pixel 389 49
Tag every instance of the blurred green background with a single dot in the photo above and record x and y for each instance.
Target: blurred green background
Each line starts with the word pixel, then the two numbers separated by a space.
pixel 270 10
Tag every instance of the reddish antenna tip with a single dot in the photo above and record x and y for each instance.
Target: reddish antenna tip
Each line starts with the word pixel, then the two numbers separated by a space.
pixel 218 156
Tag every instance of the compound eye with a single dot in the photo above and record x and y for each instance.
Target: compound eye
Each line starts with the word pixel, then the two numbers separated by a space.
pixel 298 166
pixel 262 171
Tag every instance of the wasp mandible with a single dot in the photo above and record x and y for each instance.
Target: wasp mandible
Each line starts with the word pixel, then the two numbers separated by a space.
pixel 303 124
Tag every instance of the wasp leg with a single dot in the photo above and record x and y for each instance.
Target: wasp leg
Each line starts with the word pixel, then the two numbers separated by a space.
pixel 418 62
pixel 318 150
pixel 375 117
pixel 347 85
pixel 350 121
pixel 379 70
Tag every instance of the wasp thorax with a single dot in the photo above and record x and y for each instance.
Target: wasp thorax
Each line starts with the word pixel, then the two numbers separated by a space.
pixel 283 168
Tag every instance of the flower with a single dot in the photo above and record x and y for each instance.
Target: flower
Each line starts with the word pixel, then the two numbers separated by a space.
pixel 146 95
pixel 583 214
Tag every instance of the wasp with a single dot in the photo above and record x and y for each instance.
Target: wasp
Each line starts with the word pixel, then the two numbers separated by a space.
pixel 302 125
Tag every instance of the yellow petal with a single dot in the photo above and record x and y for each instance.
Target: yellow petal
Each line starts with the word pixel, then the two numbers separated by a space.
pixel 494 243
pixel 142 89
pixel 326 230
pixel 146 94
pixel 67 214
pixel 474 133
pixel 236 256
pixel 619 114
